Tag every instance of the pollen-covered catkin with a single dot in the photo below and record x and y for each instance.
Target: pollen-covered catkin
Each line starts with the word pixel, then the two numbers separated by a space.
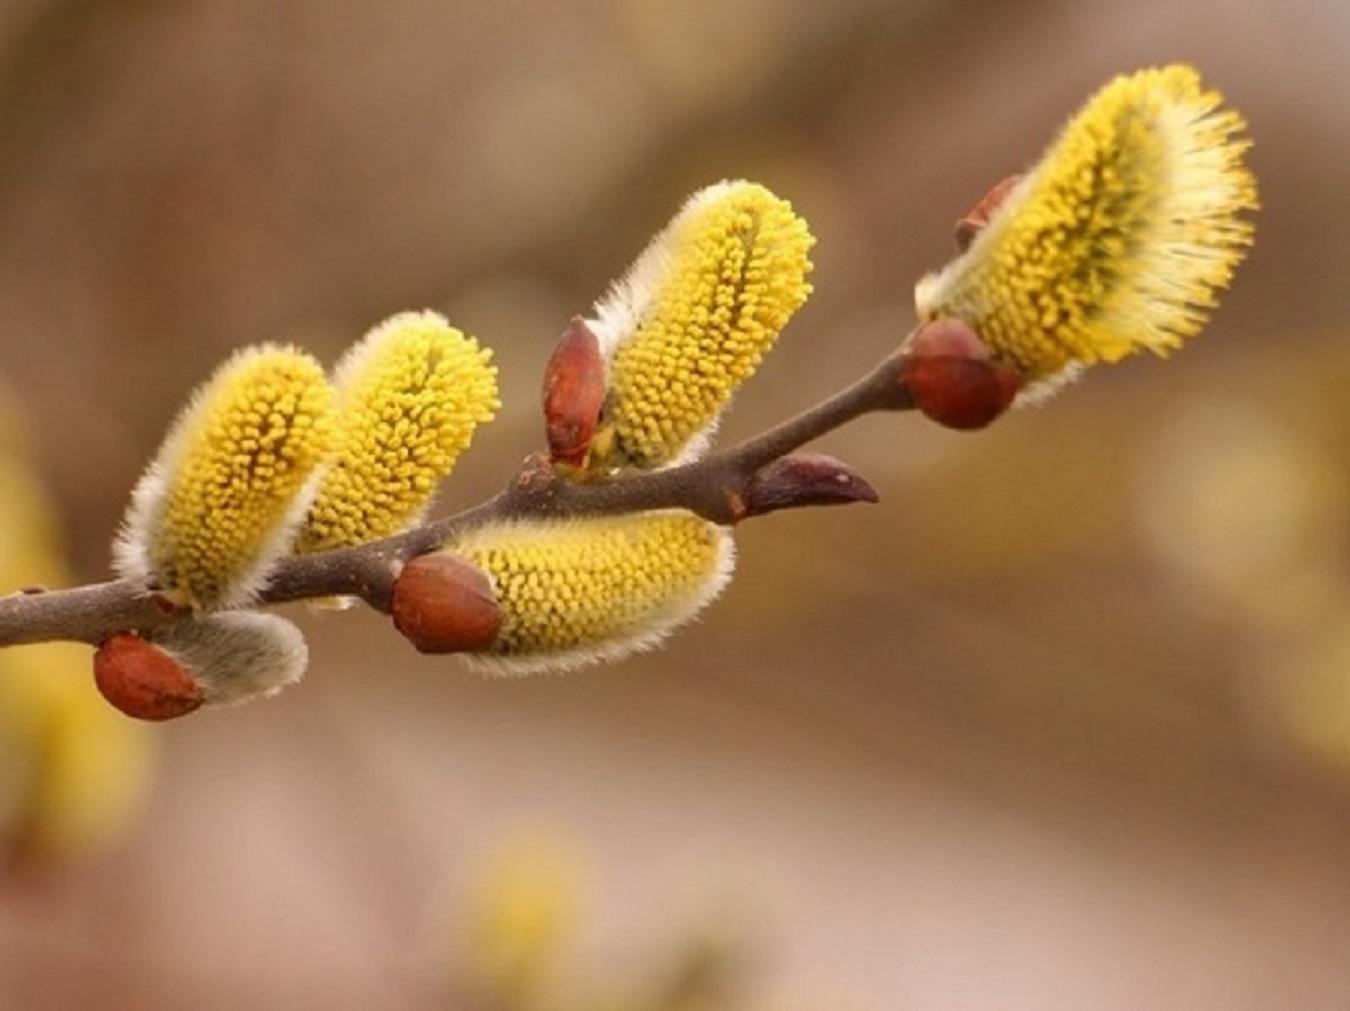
pixel 410 395
pixel 221 502
pixel 1119 238
pixel 577 591
pixel 694 317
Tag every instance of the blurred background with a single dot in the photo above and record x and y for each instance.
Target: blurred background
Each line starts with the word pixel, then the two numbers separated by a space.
pixel 1063 723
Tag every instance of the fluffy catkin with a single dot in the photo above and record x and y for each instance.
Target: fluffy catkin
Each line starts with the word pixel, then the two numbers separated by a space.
pixel 1119 238
pixel 694 317
pixel 577 591
pixel 238 655
pixel 410 395
pixel 222 500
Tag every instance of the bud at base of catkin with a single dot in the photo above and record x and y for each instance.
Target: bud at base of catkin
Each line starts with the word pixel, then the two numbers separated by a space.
pixel 142 680
pixel 442 604
pixel 953 378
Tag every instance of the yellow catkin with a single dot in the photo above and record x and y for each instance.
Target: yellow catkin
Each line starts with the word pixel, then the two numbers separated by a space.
pixel 1119 238
pixel 694 317
pixel 410 395
pixel 574 591
pixel 222 501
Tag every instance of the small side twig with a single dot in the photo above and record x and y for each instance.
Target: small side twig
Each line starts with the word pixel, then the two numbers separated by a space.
pixel 715 487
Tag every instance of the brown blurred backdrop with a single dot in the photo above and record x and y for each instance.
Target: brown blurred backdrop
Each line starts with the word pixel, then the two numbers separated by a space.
pixel 1064 722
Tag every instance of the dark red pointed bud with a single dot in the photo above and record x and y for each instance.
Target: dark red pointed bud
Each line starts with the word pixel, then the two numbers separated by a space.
pixel 574 393
pixel 804 479
pixel 953 378
pixel 142 680
pixel 978 216
pixel 442 604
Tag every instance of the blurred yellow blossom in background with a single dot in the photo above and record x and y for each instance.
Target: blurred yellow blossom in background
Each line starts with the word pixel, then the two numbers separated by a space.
pixel 73 771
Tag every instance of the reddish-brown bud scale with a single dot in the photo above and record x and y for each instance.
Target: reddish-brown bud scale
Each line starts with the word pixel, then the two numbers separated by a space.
pixel 574 393
pixel 978 216
pixel 952 377
pixel 804 479
pixel 442 604
pixel 142 680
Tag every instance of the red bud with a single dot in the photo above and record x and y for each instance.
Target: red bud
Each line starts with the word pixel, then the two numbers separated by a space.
pixel 142 680
pixel 952 377
pixel 978 216
pixel 442 604
pixel 805 479
pixel 574 393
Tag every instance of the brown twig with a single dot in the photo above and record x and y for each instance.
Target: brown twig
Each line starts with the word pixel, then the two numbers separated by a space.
pixel 717 487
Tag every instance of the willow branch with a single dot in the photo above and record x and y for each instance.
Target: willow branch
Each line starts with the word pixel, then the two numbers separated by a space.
pixel 717 487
